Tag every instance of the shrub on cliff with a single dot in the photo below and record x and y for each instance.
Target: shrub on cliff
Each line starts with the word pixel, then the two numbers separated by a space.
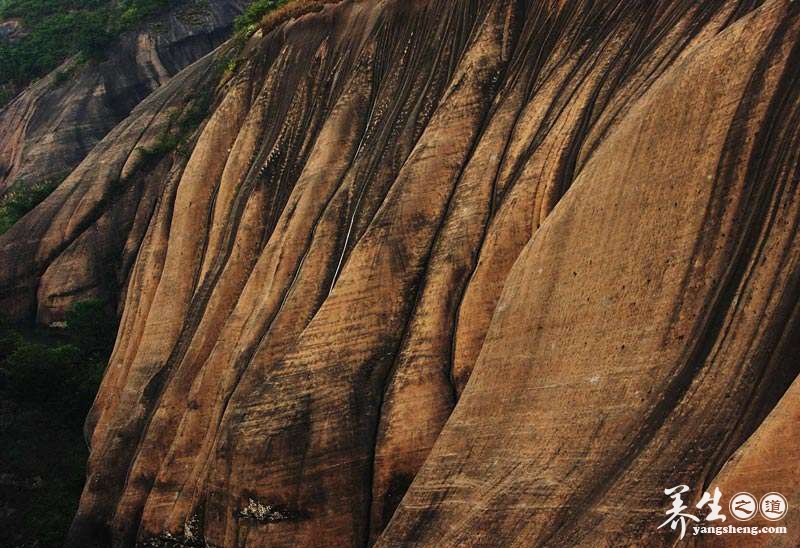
pixel 48 380
pixel 249 20
pixel 92 327
pixel 58 369
pixel 19 201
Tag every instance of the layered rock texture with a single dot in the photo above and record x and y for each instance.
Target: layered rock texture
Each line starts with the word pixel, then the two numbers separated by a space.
pixel 468 273
pixel 50 127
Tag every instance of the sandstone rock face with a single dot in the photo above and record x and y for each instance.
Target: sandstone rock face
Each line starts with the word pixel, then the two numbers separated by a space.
pixel 81 241
pixel 49 128
pixel 443 274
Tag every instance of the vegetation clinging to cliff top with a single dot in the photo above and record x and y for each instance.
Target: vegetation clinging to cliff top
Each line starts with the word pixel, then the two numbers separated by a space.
pixel 249 20
pixel 268 14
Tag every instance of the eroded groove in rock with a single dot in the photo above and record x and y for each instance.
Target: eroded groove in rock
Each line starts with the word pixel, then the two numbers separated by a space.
pixel 565 229
pixel 516 470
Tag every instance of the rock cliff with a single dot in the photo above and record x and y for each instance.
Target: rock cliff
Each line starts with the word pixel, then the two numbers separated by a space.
pixel 51 126
pixel 467 273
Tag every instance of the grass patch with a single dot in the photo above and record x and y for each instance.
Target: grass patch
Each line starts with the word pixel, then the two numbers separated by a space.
pixel 48 380
pixel 249 21
pixel 268 14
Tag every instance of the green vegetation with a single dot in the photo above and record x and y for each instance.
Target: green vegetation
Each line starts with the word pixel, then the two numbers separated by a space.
pixel 48 379
pixel 23 198
pixel 249 21
pixel 58 29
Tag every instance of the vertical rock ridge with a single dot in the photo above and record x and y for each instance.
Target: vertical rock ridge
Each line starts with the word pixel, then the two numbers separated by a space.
pixel 436 273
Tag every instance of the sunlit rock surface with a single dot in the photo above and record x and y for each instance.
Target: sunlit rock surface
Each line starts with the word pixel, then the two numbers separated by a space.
pixel 442 274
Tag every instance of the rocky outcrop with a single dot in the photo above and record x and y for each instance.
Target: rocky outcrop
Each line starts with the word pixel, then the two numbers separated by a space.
pixel 51 126
pixel 474 273
pixel 81 241
pixel 12 30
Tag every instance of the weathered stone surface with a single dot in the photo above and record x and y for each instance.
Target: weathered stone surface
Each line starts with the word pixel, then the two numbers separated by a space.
pixel 83 239
pixel 51 126
pixel 625 357
pixel 535 260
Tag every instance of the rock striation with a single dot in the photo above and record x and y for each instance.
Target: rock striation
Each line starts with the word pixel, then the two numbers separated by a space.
pixel 468 273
